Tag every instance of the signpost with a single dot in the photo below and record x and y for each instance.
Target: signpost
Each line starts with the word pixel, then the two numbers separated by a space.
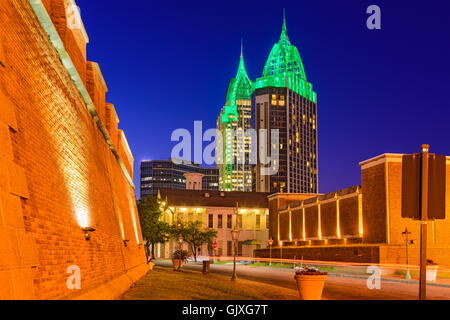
pixel 423 197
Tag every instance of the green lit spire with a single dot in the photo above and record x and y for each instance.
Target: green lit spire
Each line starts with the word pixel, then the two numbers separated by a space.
pixel 284 57
pixel 284 36
pixel 284 67
pixel 240 87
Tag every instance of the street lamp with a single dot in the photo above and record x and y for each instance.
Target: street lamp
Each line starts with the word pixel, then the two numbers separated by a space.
pixel 405 235
pixel 235 237
pixel 180 241
pixel 270 241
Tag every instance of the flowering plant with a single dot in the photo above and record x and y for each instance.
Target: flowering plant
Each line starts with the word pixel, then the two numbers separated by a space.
pixel 431 263
pixel 310 271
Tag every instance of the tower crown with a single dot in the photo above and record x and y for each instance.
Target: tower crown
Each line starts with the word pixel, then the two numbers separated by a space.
pixel 240 87
pixel 284 58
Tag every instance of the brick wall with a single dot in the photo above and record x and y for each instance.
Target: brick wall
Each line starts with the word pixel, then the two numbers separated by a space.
pixel 57 172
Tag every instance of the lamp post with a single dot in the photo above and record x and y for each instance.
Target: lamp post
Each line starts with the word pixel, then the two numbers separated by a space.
pixel 405 235
pixel 270 241
pixel 180 241
pixel 235 237
pixel 281 252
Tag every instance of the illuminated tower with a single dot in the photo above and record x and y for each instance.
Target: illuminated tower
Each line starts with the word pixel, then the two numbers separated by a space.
pixel 283 99
pixel 233 121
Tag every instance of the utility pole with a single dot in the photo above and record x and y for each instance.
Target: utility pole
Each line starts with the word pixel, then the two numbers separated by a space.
pixel 423 223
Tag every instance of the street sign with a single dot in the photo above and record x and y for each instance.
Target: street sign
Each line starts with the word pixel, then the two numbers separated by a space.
pixel 423 198
pixel 214 245
pixel 411 186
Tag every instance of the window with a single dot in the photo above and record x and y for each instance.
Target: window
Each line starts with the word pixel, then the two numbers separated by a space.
pixel 240 221
pixel 229 248
pixel 229 221
pixel 258 222
pixel 210 221
pixel 219 221
pixel 239 253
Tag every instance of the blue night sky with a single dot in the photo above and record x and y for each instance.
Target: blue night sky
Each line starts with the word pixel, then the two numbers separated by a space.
pixel 168 63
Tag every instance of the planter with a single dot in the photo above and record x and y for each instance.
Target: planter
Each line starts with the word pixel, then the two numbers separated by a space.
pixel 432 272
pixel 176 263
pixel 310 287
pixel 151 265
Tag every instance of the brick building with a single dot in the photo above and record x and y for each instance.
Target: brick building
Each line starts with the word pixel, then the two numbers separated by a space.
pixel 217 210
pixel 64 163
pixel 357 224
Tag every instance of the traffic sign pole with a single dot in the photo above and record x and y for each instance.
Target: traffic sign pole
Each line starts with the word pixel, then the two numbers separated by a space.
pixel 423 223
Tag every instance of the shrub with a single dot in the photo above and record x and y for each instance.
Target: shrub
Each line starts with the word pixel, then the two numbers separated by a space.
pixel 181 254
pixel 310 271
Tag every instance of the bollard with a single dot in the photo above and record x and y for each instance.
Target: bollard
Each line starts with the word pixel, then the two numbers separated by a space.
pixel 205 268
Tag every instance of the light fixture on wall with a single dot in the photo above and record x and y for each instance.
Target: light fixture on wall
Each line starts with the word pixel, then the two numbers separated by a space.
pixel 86 232
pixel 125 242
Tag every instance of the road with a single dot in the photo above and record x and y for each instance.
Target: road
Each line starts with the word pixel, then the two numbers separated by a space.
pixel 336 287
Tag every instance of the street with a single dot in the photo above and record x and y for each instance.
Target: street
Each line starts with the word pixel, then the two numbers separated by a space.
pixel 336 287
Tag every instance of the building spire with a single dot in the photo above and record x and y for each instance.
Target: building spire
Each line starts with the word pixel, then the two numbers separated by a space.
pixel 242 54
pixel 284 35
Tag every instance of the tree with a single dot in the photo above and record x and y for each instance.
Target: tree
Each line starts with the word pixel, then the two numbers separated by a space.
pixel 194 235
pixel 153 230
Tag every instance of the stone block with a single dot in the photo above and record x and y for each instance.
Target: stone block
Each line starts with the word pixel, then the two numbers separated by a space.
pixel 4 175
pixel 7 111
pixel 2 57
pixel 5 141
pixel 11 211
pixel 27 249
pixel 17 180
pixel 9 254
pixel 6 285
pixel 23 284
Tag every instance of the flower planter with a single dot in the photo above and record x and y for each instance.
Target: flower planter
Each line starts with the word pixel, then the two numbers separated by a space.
pixel 432 272
pixel 176 263
pixel 310 287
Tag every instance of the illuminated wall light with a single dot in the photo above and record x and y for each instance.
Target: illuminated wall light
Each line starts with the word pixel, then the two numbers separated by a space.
pixel 303 224
pixel 319 222
pixel 338 220
pixel 290 224
pixel 278 226
pixel 360 215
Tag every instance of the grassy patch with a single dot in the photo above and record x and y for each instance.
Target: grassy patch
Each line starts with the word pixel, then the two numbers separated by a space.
pixel 166 284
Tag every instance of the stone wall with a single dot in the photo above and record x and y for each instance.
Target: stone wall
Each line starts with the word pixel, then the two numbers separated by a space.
pixel 58 173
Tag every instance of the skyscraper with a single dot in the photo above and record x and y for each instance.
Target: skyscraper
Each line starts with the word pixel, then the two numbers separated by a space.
pixel 235 170
pixel 166 174
pixel 283 99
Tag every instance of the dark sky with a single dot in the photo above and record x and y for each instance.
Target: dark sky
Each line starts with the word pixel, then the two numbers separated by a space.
pixel 168 63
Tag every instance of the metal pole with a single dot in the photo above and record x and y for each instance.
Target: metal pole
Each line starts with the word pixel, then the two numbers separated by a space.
pixel 423 223
pixel 281 254
pixel 270 255
pixel 179 261
pixel 234 277
pixel 408 275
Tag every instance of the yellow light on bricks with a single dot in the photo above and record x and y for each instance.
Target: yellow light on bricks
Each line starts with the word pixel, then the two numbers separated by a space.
pixel 338 223
pixel 360 215
pixel 303 224
pixel 319 231
pixel 290 224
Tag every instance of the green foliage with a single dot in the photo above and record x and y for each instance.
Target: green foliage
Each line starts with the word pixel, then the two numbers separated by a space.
pixel 153 230
pixel 181 254
pixel 194 235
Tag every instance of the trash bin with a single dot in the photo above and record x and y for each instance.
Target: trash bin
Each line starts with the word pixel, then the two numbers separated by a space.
pixel 206 266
